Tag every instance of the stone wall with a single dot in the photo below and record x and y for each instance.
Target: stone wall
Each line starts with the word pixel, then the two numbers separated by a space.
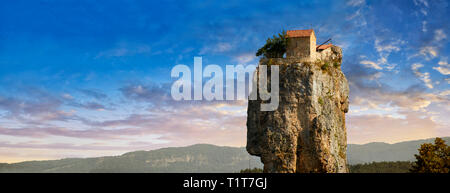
pixel 329 54
pixel 298 47
pixel 312 47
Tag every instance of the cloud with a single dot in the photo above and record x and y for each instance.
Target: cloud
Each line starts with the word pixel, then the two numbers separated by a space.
pixel 416 66
pixel 156 94
pixel 430 49
pixel 431 45
pixel 428 52
pixel 62 146
pixel 365 93
pixel 371 64
pixel 355 3
pixel 384 49
pixel 424 26
pixel 357 14
pixel 245 58
pixel 387 46
pixel 439 35
pixel 175 123
pixel 375 76
pixel 67 96
pixel 423 6
pixel 386 128
pixel 125 49
pixel 405 101
pixel 380 113
pixel 220 47
pixel 91 106
pixel 94 93
pixel 425 77
pixel 421 2
pixel 38 105
pixel 443 68
pixel 445 93
pixel 220 123
pixel 357 17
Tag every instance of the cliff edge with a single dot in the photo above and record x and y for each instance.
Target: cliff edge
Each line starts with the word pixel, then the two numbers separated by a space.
pixel 307 132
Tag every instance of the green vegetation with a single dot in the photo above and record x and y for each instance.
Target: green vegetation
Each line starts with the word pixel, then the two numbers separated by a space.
pixel 325 66
pixel 336 64
pixel 433 158
pixel 374 167
pixel 254 170
pixel 381 167
pixel 275 47
pixel 320 100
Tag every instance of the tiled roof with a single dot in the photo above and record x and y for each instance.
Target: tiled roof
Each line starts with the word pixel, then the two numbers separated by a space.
pixel 299 33
pixel 323 47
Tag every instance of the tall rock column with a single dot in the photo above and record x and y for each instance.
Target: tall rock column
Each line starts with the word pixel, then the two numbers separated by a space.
pixel 307 132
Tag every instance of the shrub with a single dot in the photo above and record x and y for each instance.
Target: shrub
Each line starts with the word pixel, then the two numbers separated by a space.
pixel 254 170
pixel 336 64
pixel 275 47
pixel 432 158
pixel 325 66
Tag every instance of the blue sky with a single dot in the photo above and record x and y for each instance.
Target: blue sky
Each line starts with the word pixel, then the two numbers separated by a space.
pixel 84 78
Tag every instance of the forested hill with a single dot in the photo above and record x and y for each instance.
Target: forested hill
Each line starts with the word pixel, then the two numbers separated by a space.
pixel 195 158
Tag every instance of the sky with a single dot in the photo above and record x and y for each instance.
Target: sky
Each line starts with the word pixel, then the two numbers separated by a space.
pixel 81 78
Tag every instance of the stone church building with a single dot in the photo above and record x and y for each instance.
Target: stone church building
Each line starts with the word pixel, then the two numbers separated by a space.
pixel 301 44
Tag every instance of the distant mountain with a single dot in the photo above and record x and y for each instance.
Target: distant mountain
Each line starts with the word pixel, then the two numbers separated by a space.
pixel 203 158
pixel 195 158
pixel 378 152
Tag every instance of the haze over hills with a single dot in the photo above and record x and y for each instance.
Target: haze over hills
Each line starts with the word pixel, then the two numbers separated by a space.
pixel 203 158
pixel 376 152
pixel 195 158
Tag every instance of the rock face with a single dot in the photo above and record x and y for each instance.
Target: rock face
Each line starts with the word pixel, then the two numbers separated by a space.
pixel 307 132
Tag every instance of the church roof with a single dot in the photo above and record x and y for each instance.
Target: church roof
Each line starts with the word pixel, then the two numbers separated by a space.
pixel 323 47
pixel 299 33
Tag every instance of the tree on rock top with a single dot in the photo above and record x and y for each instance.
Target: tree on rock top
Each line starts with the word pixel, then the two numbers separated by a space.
pixel 275 47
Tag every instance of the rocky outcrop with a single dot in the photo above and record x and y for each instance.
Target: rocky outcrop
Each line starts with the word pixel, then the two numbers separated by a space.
pixel 307 132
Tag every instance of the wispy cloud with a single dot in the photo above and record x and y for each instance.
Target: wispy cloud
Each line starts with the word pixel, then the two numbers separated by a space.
pixel 371 64
pixel 125 49
pixel 425 77
pixel 444 67
pixel 355 2
pixel 94 93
